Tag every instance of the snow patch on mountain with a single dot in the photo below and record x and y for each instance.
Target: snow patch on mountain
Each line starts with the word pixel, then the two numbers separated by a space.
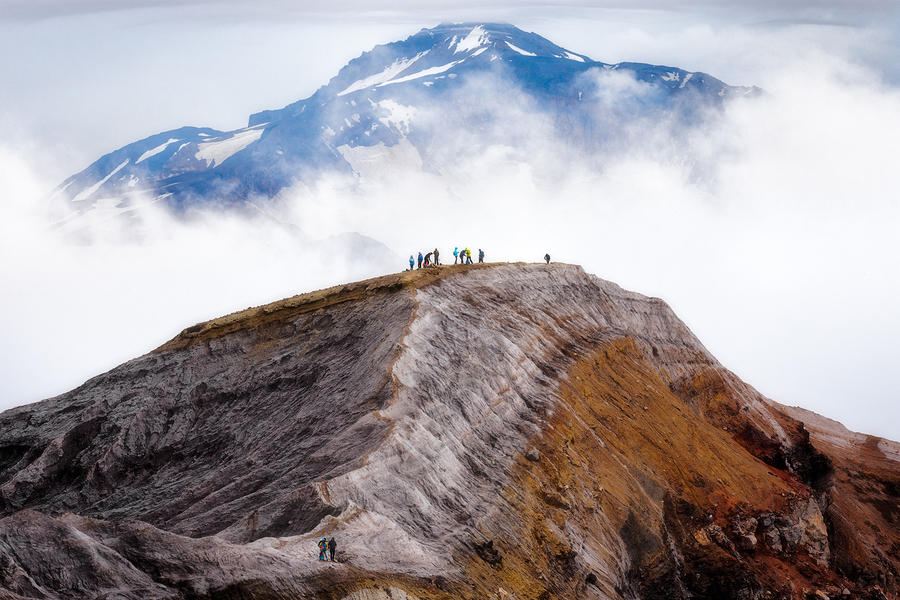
pixel 477 38
pixel 217 151
pixel 400 116
pixel 519 50
pixel 574 57
pixel 88 192
pixel 107 203
pixel 397 67
pixel 155 151
pixel 432 70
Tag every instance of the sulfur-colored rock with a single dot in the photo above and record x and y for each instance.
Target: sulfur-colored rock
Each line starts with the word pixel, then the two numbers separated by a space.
pixel 393 415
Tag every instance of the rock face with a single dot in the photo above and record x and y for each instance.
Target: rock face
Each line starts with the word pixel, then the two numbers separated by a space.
pixel 514 431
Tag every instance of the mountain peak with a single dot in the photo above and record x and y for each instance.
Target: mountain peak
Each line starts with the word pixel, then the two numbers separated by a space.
pixel 376 101
pixel 439 50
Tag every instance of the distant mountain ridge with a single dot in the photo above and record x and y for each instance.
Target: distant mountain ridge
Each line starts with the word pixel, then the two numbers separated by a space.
pixel 380 100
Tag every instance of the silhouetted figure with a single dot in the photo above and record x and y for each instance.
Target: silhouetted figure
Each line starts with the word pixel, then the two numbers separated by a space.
pixel 331 547
pixel 547 258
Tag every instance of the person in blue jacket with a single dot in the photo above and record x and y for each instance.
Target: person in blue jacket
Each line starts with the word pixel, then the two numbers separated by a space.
pixel 420 260
pixel 455 254
pixel 412 262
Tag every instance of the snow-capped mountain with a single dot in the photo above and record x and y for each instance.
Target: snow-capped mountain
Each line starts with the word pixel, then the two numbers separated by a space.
pixel 449 79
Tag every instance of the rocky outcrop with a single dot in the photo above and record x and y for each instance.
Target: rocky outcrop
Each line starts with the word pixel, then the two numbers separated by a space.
pixel 514 431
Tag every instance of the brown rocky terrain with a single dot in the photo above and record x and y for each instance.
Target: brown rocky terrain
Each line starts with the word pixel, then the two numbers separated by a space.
pixel 487 431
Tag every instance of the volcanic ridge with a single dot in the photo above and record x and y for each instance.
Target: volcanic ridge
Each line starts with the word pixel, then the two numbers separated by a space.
pixel 511 431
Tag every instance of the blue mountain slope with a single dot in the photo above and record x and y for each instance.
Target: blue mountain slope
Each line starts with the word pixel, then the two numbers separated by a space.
pixel 449 78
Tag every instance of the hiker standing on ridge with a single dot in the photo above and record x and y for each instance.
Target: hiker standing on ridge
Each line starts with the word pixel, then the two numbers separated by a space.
pixel 455 254
pixel 420 260
pixel 468 256
pixel 480 255
pixel 547 258
pixel 412 262
pixel 428 259
pixel 437 261
pixel 331 547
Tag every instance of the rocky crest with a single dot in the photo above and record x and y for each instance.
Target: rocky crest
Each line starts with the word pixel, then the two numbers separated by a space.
pixel 507 431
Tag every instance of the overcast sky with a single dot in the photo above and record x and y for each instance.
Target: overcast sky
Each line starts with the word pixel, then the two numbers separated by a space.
pixel 788 273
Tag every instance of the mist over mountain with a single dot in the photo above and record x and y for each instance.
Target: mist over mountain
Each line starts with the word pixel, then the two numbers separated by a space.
pixel 522 431
pixel 424 105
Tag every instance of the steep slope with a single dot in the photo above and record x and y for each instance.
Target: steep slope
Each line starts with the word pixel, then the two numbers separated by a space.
pixel 524 431
pixel 421 94
pixel 864 514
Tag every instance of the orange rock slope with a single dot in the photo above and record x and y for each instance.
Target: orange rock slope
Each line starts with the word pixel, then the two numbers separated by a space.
pixel 505 431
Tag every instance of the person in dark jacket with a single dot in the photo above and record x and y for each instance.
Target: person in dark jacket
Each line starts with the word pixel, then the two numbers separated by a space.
pixel 547 258
pixel 437 258
pixel 332 545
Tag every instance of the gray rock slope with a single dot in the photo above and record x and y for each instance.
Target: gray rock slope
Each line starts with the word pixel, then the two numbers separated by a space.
pixel 396 414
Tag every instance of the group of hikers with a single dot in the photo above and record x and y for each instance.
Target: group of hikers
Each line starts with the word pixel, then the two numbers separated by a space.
pixel 325 547
pixel 433 259
pixel 464 257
